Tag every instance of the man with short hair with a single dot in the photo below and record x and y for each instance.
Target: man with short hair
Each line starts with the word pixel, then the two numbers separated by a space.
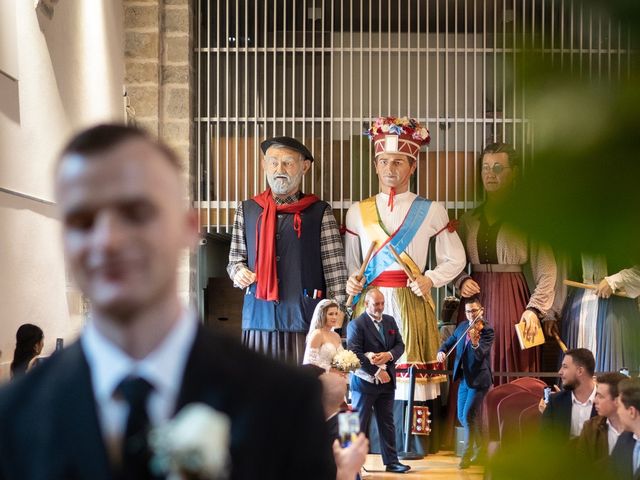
pixel 625 457
pixel 473 340
pixel 569 409
pixel 143 356
pixel 375 339
pixel 286 251
pixel 600 433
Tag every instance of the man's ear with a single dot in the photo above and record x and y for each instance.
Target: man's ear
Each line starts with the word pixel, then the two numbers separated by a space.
pixel 306 165
pixel 192 229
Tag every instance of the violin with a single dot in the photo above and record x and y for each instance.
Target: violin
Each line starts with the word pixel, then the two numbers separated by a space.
pixel 474 330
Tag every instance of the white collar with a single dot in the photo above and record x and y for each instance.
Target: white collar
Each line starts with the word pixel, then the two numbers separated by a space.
pixel 589 400
pixel 612 428
pixel 163 367
pixel 400 196
pixel 376 322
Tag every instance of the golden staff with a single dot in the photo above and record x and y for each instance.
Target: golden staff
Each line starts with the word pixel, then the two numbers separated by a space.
pixel 587 286
pixel 360 274
pixel 561 344
pixel 410 274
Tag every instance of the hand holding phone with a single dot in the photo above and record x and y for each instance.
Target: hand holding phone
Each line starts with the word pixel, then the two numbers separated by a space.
pixel 348 427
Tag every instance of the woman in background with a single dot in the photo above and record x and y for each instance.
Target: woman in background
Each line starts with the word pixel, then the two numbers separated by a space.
pixel 29 343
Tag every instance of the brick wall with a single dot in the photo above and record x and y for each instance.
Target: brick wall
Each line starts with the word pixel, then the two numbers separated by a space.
pixel 159 79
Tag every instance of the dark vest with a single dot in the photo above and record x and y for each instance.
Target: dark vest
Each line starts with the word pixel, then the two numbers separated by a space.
pixel 299 268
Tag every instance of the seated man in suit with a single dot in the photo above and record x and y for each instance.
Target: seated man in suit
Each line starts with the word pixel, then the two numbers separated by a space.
pixel 472 365
pixel 86 412
pixel 375 339
pixel 569 409
pixel 600 433
pixel 625 457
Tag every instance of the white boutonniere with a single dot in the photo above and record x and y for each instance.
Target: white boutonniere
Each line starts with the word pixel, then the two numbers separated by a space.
pixel 193 445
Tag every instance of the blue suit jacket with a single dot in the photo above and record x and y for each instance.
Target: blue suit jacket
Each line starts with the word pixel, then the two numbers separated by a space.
pixel 363 337
pixel 472 363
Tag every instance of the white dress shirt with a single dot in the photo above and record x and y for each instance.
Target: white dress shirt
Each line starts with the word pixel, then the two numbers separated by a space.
pixel 580 412
pixel 163 368
pixel 612 435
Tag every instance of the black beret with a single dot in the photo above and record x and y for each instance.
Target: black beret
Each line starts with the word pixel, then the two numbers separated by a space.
pixel 288 142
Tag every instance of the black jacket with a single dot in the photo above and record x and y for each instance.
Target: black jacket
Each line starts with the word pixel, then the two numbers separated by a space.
pixel 49 428
pixel 557 416
pixel 622 457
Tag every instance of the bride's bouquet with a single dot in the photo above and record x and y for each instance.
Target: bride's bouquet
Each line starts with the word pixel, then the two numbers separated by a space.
pixel 345 361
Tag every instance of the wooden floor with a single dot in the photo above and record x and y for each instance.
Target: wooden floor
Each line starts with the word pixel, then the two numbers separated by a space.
pixel 442 465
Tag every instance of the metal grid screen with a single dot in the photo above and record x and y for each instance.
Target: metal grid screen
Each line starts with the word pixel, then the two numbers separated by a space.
pixel 321 70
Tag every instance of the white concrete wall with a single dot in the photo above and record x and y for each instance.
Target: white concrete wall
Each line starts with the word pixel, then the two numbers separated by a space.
pixel 70 75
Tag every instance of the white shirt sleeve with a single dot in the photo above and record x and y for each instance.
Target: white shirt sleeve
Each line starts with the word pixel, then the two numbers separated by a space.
pixel 627 280
pixel 450 254
pixel 352 249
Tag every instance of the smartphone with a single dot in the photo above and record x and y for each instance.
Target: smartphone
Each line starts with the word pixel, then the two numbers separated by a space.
pixel 547 394
pixel 348 427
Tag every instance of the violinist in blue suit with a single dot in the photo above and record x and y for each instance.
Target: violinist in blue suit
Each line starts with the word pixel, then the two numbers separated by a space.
pixel 472 366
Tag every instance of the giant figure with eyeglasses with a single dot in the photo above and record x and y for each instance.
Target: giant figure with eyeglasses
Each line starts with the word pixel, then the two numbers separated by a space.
pixel 499 255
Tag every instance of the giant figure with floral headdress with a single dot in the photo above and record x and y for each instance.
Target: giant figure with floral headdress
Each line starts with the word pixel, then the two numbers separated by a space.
pixel 399 218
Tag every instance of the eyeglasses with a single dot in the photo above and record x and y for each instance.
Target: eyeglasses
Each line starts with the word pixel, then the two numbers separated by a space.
pixel 497 168
pixel 473 311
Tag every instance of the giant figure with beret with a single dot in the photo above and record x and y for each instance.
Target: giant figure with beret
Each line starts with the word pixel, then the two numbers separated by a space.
pixel 398 217
pixel 286 251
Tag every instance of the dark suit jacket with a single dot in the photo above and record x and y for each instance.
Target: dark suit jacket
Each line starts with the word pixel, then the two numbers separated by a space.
pixel 472 363
pixel 557 416
pixel 49 426
pixel 622 457
pixel 363 337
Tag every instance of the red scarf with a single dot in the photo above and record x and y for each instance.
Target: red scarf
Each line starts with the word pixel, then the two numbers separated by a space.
pixel 267 287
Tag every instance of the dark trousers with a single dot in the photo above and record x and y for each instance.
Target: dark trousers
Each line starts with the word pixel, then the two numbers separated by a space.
pixel 382 404
pixel 470 415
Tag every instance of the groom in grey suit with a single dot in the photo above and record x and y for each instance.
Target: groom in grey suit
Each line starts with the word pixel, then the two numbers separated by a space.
pixel 375 339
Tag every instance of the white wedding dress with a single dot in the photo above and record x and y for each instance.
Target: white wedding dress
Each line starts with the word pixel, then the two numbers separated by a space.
pixel 323 356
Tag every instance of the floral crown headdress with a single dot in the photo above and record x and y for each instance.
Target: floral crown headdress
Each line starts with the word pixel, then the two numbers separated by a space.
pixel 398 135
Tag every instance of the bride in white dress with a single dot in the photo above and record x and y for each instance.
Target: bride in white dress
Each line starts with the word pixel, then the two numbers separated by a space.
pixel 322 342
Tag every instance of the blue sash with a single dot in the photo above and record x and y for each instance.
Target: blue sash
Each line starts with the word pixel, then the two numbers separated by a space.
pixel 383 258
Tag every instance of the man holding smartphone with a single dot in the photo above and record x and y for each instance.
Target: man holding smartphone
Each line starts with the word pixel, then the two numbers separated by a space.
pixel 375 339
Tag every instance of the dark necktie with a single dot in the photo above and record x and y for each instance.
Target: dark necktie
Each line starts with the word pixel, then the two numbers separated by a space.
pixel 135 448
pixel 381 332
